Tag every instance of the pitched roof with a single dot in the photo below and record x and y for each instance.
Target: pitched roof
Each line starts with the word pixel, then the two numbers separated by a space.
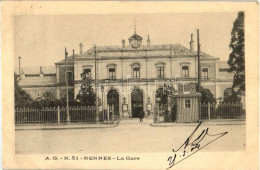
pixel 223 65
pixel 225 75
pixel 135 36
pixel 70 59
pixel 33 70
pixel 144 50
pixel 38 81
pixel 203 54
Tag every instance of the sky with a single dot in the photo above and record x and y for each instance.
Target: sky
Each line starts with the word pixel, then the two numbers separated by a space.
pixel 41 39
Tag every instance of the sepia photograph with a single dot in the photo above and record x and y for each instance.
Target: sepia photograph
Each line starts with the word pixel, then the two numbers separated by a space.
pixel 93 78
pixel 112 87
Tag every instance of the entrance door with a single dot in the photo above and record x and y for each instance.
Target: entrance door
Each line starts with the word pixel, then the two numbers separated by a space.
pixel 113 99
pixel 137 102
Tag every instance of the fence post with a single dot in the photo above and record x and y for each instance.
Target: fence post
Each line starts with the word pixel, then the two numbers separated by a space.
pixel 113 113
pixel 209 110
pixel 58 112
pixel 108 113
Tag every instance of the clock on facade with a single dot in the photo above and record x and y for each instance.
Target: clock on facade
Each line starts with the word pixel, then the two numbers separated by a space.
pixel 135 44
pixel 135 41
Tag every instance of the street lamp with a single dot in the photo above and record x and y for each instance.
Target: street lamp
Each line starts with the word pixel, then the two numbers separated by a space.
pixel 156 117
pixel 102 91
pixel 124 100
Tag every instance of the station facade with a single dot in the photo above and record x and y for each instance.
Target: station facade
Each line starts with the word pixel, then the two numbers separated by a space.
pixel 130 75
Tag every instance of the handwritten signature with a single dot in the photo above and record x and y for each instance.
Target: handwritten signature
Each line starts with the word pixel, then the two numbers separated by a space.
pixel 192 145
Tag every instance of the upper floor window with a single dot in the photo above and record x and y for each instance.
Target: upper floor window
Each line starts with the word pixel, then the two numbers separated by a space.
pixel 185 71
pixel 136 72
pixel 87 72
pixel 205 73
pixel 160 71
pixel 112 73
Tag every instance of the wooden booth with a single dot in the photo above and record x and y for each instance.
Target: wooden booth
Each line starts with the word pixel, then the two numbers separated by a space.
pixel 187 107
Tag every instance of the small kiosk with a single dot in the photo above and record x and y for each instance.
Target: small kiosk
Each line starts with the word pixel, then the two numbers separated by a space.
pixel 187 107
pixel 187 102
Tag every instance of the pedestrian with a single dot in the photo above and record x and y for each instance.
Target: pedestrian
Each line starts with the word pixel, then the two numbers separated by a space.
pixel 141 115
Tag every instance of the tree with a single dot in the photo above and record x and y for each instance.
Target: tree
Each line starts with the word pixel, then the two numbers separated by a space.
pixel 237 56
pixel 22 98
pixel 206 96
pixel 86 95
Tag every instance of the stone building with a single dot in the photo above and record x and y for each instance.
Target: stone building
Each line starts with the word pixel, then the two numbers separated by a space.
pixel 132 73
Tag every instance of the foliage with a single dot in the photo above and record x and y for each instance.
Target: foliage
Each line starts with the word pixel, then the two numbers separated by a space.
pixel 22 98
pixel 232 98
pixel 86 95
pixel 206 96
pixel 237 56
pixel 46 103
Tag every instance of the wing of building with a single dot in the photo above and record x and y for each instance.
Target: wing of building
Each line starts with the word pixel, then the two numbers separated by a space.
pixel 131 73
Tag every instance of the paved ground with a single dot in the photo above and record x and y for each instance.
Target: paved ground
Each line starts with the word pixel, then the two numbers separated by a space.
pixel 129 136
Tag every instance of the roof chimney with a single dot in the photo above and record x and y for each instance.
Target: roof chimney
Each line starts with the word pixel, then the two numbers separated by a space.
pixel 80 48
pixel 148 41
pixel 41 72
pixel 22 74
pixel 191 44
pixel 123 43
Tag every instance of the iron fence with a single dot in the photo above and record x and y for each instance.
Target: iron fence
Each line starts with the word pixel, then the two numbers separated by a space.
pixel 222 111
pixel 58 115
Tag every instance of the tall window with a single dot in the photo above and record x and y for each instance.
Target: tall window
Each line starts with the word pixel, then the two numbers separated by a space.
pixel 185 71
pixel 136 72
pixel 112 73
pixel 205 73
pixel 160 71
pixel 70 78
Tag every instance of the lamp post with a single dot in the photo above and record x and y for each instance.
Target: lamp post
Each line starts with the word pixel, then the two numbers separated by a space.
pixel 156 117
pixel 102 91
pixel 19 67
pixel 67 90
pixel 96 90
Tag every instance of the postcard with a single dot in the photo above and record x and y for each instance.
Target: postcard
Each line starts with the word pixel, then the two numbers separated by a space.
pixel 130 85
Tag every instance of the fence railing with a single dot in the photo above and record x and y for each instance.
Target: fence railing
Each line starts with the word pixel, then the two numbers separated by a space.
pixel 58 115
pixel 222 111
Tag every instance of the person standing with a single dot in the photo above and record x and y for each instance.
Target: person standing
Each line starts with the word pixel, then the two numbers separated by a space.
pixel 141 115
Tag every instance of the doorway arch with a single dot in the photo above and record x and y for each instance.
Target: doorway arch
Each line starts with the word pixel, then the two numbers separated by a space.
pixel 136 102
